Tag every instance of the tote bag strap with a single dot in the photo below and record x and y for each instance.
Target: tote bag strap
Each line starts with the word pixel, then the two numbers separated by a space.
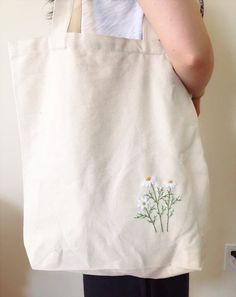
pixel 62 16
pixel 62 12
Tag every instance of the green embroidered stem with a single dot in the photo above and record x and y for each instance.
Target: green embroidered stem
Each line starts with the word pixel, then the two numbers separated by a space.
pixel 151 221
pixel 143 216
pixel 158 210
pixel 169 203
pixel 168 210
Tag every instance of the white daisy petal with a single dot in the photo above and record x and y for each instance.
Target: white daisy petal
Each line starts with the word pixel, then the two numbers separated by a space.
pixel 153 180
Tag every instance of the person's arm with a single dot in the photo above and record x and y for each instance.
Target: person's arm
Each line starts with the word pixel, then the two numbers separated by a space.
pixel 182 32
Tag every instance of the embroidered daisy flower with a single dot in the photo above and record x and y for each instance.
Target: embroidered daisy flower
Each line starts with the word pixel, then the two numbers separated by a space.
pixel 170 184
pixel 150 180
pixel 157 200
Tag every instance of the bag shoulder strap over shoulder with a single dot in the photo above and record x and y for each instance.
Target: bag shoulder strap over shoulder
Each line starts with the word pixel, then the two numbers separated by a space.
pixel 67 13
pixel 61 15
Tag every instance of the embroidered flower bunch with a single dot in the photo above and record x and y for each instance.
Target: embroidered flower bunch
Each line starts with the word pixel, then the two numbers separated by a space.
pixel 157 202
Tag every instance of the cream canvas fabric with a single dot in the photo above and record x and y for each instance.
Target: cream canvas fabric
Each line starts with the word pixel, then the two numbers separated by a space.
pixel 114 174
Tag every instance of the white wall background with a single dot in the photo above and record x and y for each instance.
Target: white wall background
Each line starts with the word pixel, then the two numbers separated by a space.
pixel 23 19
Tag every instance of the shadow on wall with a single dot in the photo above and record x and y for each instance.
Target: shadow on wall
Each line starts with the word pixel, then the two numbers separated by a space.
pixel 218 130
pixel 14 266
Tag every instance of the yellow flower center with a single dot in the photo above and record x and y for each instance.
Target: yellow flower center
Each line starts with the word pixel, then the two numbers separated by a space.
pixel 170 181
pixel 148 178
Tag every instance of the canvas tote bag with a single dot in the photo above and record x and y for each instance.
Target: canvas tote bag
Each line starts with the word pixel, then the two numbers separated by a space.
pixel 115 180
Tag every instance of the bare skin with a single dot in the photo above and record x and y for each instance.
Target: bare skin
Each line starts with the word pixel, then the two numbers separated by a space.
pixel 196 102
pixel 183 34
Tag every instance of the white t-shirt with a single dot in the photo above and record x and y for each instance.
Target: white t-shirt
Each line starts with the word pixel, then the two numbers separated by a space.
pixel 120 18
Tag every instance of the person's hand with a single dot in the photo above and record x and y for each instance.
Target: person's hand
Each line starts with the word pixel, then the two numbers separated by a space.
pixel 196 102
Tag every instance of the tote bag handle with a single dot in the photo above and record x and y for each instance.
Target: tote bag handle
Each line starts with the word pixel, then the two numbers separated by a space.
pixel 62 15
